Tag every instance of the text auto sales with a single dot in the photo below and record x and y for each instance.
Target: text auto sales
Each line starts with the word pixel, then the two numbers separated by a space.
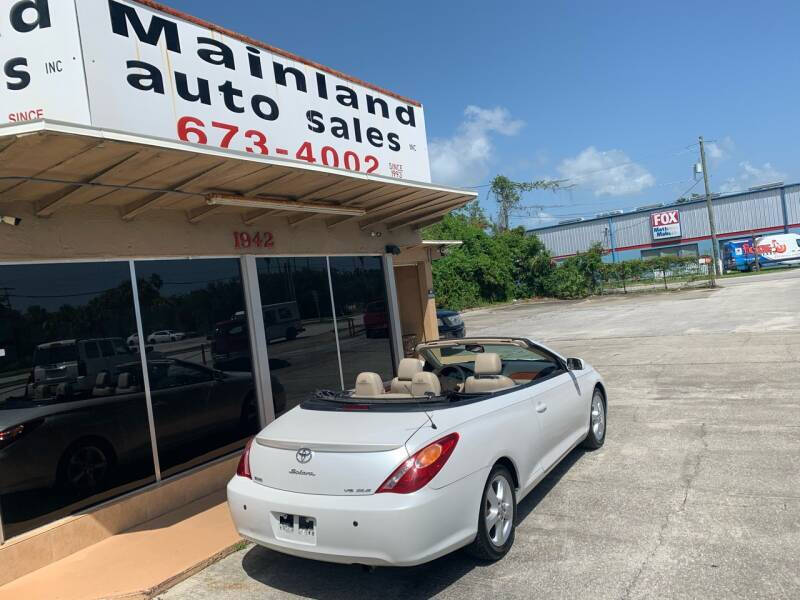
pixel 147 77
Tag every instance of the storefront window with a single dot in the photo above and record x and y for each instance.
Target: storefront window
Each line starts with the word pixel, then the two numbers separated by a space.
pixel 73 410
pixel 73 416
pixel 298 324
pixel 198 359
pixel 359 292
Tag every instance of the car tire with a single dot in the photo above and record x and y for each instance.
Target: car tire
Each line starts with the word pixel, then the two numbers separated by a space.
pixel 85 466
pixel 498 510
pixel 597 421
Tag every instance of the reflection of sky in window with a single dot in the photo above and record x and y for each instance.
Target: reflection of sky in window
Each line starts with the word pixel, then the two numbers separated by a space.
pixel 52 286
pixel 352 263
pixel 185 276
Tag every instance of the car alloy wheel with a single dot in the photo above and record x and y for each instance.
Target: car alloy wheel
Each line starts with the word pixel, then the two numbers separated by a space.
pixel 499 510
pixel 598 416
pixel 86 468
pixel 496 516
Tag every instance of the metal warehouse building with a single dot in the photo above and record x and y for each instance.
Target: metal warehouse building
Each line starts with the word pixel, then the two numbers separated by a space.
pixel 681 228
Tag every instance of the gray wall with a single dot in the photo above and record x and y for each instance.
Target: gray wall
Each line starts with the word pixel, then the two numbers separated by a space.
pixel 734 213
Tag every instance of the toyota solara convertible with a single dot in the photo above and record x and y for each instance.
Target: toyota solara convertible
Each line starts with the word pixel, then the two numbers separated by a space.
pixel 402 472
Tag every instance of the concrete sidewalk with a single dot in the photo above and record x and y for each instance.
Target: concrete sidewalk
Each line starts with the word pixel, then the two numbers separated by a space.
pixel 137 563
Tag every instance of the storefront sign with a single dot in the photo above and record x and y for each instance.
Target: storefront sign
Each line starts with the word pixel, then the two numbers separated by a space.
pixel 42 67
pixel 152 73
pixel 666 225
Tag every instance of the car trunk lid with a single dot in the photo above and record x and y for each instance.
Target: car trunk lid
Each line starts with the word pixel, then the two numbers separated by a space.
pixel 332 452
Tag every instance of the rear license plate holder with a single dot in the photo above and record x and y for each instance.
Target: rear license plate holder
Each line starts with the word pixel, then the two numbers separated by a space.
pixel 295 528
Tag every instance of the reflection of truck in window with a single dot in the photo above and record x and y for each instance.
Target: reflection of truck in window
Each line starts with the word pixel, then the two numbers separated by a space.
pixel 773 250
pixel 73 365
pixel 281 321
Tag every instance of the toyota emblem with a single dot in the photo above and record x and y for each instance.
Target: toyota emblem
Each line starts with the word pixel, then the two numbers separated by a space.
pixel 304 455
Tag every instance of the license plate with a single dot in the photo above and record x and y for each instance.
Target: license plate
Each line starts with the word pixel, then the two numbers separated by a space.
pixel 297 528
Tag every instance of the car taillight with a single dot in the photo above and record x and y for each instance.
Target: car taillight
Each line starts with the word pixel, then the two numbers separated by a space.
pixel 7 436
pixel 243 470
pixel 418 470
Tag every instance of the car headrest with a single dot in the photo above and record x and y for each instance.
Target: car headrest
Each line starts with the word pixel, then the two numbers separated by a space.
pixel 103 379
pixel 407 368
pixel 368 385
pixel 424 383
pixel 488 363
pixel 125 380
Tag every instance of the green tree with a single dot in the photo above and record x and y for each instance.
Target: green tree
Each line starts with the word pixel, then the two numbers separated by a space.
pixel 509 196
pixel 490 266
pixel 474 214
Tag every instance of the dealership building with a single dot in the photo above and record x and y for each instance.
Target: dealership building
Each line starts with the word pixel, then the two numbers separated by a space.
pixel 199 230
pixel 681 228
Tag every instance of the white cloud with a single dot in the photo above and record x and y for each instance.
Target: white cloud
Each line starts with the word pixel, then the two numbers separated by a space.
pixel 464 158
pixel 607 173
pixel 751 175
pixel 719 151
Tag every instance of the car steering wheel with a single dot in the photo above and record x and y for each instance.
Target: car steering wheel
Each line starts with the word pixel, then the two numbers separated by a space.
pixel 450 373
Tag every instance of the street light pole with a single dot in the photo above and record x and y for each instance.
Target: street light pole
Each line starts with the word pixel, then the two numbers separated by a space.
pixel 714 246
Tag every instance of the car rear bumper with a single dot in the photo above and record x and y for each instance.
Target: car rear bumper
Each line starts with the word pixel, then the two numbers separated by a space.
pixel 392 529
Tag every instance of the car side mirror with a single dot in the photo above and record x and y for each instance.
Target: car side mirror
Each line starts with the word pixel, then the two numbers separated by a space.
pixel 574 364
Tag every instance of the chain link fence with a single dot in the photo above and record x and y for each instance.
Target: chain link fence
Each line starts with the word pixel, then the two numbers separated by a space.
pixel 653 274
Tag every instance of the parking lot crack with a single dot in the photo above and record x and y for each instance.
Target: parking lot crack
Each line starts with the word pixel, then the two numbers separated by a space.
pixel 671 516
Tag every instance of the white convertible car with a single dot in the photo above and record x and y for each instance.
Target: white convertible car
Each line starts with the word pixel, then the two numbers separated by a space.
pixel 402 472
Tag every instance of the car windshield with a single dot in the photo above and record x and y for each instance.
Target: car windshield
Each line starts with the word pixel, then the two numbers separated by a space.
pixel 464 354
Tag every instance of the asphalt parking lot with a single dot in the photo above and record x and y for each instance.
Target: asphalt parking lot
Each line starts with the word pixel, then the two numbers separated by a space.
pixel 696 493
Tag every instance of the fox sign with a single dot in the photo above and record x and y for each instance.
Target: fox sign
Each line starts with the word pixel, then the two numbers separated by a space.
pixel 666 224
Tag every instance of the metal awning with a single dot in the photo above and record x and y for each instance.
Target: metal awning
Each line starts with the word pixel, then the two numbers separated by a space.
pixel 58 167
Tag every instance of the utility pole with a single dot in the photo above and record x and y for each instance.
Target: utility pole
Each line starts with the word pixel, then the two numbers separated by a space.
pixel 714 246
pixel 756 260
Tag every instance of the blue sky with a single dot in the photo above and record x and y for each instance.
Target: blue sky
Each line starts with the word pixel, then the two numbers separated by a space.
pixel 609 95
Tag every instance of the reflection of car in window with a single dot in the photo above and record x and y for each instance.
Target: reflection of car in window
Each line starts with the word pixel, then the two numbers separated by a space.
pixel 162 337
pixel 108 427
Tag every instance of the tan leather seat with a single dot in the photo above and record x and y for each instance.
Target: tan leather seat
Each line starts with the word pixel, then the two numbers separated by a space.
pixel 127 384
pixel 102 385
pixel 406 370
pixel 487 378
pixel 425 383
pixel 368 385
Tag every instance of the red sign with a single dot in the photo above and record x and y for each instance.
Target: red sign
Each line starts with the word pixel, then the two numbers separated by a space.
pixel 668 217
pixel 665 225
